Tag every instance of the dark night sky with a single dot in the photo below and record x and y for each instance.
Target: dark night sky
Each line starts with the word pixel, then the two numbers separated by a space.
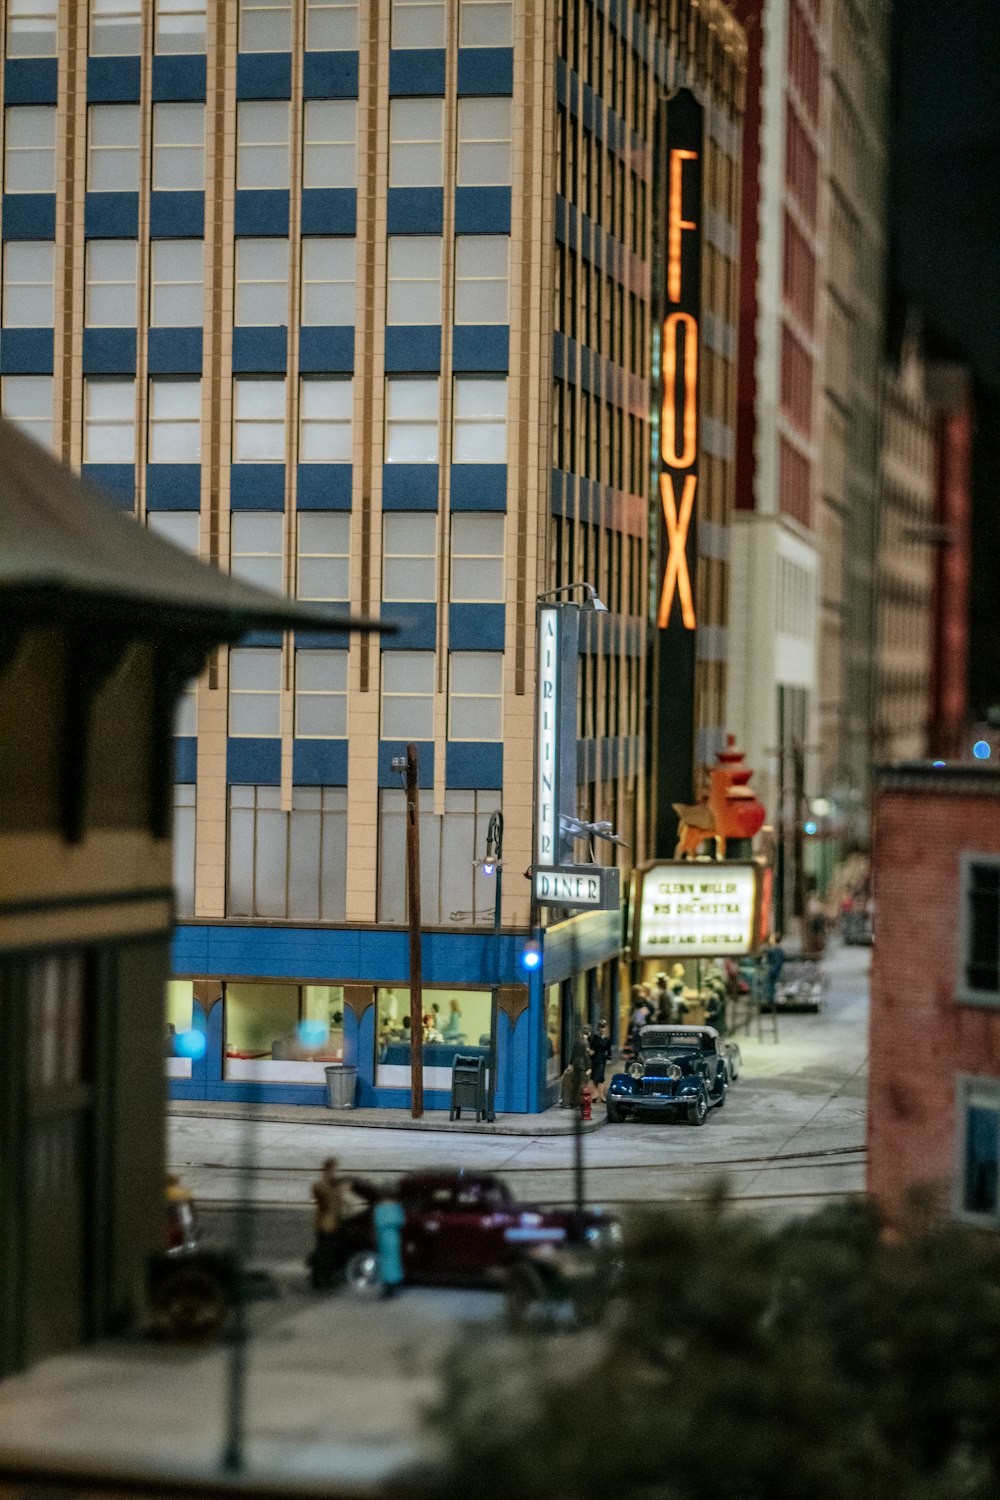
pixel 945 174
pixel 945 251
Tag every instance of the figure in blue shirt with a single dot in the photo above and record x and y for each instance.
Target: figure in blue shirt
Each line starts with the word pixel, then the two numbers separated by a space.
pixel 389 1220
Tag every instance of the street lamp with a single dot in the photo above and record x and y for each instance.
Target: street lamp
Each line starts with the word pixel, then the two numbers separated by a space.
pixel 591 599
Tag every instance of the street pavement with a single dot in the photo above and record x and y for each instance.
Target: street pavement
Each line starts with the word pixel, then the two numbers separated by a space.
pixel 336 1385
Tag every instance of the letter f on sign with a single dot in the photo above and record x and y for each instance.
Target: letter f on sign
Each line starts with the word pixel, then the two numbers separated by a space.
pixel 676 575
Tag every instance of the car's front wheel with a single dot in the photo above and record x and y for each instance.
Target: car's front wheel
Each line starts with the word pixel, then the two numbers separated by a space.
pixel 614 1114
pixel 361 1272
pixel 697 1110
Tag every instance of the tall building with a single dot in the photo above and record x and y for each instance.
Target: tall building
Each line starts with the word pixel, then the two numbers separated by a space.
pixel 908 538
pixel 359 302
pixel 803 615
pixel 777 541
pixel 853 321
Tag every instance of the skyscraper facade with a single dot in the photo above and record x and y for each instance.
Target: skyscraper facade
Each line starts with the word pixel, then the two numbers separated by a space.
pixel 358 301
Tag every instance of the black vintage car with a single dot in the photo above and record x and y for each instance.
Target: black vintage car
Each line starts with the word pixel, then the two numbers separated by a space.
pixel 678 1070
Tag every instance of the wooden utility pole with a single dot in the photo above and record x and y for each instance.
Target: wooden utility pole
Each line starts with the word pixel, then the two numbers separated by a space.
pixel 413 910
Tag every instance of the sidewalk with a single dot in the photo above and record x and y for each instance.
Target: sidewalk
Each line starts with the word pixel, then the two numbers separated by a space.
pixel 553 1122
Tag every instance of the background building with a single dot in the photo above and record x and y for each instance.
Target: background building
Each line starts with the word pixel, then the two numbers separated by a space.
pixel 934 1081
pixel 803 688
pixel 357 301
pixel 908 543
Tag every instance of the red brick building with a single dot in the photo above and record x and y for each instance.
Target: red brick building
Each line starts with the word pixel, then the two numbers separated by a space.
pixel 934 1087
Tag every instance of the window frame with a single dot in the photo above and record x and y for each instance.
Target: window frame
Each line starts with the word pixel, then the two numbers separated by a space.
pixel 310 424
pixel 461 424
pixel 241 383
pixel 343 557
pixel 458 519
pixel 180 8
pixel 244 245
pixel 314 176
pixel 316 8
pixel 269 693
pixel 27 425
pixel 397 109
pixel 263 8
pixel 402 11
pixel 38 10
pixel 966 1086
pixel 158 281
pixel 10 282
pixel 237 519
pixel 343 658
pixel 187 150
pixel 90 384
pixel 308 279
pixel 96 154
pixel 18 149
pixel 477 697
pixel 389 519
pixel 466 105
pixel 465 282
pixel 397 246
pixel 108 11
pixel 94 249
pixel 396 423
pixel 964 993
pixel 402 661
pixel 269 109
pixel 158 422
pixel 468 6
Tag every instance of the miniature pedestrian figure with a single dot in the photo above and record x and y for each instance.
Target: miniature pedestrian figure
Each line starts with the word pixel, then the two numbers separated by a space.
pixel 586 1097
pixel 600 1052
pixel 389 1220
pixel 567 1088
pixel 328 1195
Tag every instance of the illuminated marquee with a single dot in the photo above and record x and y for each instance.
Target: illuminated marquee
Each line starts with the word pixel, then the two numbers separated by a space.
pixel 678 478
pixel 688 909
pixel 547 749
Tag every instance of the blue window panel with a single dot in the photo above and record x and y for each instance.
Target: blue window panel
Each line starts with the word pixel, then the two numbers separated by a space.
pixel 253 762
pixel 26 351
pixel 257 487
pixel 29 216
pixel 111 216
pixel 476 627
pixel 116 480
pixel 416 71
pixel 326 350
pixel 409 486
pixel 329 210
pixel 173 486
pixel 480 347
pixel 271 638
pixel 323 640
pixel 264 75
pixel 416 627
pixel 319 763
pixel 330 75
pixel 261 211
pixel 482 210
pixel 415 210
pixel 486 70
pixel 471 766
pixel 180 77
pixel 109 351
pixel 323 487
pixel 389 749
pixel 177 216
pixel 260 349
pixel 31 80
pixel 113 80
pixel 479 486
pixel 185 759
pixel 413 348
pixel 174 351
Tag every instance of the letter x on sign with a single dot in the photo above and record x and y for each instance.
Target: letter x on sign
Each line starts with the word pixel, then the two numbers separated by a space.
pixel 676 575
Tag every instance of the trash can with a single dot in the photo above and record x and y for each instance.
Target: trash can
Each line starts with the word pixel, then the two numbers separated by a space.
pixel 341 1082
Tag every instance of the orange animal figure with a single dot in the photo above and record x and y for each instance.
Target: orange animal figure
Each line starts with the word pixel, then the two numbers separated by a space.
pixel 729 810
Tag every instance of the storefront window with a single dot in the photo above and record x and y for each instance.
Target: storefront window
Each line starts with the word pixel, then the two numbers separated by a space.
pixel 283 1033
pixel 553 1024
pixel 178 1012
pixel 455 1021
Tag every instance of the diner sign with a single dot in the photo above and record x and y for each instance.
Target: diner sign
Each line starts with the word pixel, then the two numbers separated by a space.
pixel 589 887
pixel 694 909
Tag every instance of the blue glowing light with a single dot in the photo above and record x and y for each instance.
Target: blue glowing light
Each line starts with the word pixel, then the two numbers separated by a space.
pixel 981 750
pixel 810 827
pixel 313 1034
pixel 531 957
pixel 190 1044
pixel 939 762
pixel 489 868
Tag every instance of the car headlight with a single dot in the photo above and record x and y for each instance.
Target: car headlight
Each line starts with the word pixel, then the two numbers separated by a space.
pixel 636 1069
pixel 673 1072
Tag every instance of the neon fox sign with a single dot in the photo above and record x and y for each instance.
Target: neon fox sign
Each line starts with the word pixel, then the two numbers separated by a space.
pixel 678 478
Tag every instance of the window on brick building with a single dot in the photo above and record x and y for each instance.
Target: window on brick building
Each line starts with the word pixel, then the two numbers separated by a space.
pixel 116 28
pixel 331 25
pixel 978 1176
pixel 979 944
pixel 30 149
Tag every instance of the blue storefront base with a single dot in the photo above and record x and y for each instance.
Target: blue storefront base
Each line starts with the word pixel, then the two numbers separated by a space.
pixel 378 957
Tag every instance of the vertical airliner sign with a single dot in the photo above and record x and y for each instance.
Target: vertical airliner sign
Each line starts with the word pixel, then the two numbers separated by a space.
pixel 681 309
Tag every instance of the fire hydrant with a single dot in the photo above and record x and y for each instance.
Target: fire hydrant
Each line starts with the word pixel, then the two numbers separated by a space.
pixel 586 1100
